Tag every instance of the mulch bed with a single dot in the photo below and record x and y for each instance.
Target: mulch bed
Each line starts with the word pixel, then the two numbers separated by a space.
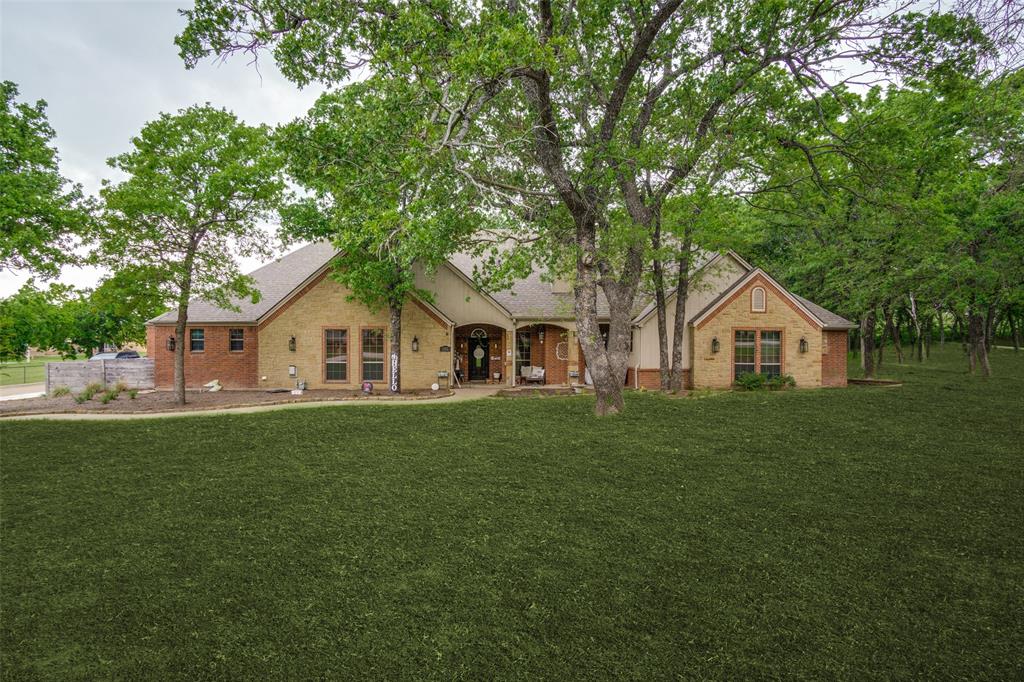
pixel 163 401
pixel 873 382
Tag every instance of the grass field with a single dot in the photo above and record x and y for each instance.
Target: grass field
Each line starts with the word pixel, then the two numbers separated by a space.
pixel 855 533
pixel 30 372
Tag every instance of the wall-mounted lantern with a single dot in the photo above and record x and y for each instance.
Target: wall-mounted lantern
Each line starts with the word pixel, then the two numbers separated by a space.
pixel 170 343
pixel 803 345
pixel 415 344
pixel 540 335
pixel 291 344
pixel 715 345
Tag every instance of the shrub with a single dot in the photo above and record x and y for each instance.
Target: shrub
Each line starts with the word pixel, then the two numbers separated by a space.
pixel 121 387
pixel 60 392
pixel 781 382
pixel 132 392
pixel 89 392
pixel 107 396
pixel 751 381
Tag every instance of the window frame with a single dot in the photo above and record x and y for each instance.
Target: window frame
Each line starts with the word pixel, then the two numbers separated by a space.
pixel 757 348
pixel 520 360
pixel 241 339
pixel 760 351
pixel 348 353
pixel 764 299
pixel 384 353
pixel 192 340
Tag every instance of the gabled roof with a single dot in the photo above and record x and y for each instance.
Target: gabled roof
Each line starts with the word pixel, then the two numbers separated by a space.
pixel 275 281
pixel 705 259
pixel 823 318
pixel 531 297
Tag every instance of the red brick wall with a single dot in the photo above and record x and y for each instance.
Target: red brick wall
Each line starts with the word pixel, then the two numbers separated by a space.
pixel 555 371
pixel 833 363
pixel 650 379
pixel 233 369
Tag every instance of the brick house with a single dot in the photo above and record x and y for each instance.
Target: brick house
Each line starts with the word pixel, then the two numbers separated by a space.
pixel 305 328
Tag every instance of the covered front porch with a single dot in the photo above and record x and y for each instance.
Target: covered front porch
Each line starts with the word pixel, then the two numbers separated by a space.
pixel 536 353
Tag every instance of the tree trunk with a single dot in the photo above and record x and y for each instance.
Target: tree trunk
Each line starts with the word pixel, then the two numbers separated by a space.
pixel 679 326
pixel 1014 329
pixel 179 348
pixel 395 322
pixel 607 364
pixel 991 322
pixel 867 344
pixel 881 343
pixel 182 322
pixel 977 348
pixel 916 321
pixel 894 332
pixel 659 304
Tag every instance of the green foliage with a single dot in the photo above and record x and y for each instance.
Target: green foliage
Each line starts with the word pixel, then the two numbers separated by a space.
pixel 109 395
pixel 376 187
pixel 751 381
pixel 60 392
pixel 199 182
pixel 780 382
pixel 88 392
pixel 132 393
pixel 40 215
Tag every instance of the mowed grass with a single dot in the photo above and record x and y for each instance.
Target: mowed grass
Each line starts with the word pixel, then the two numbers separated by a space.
pixel 857 533
pixel 33 371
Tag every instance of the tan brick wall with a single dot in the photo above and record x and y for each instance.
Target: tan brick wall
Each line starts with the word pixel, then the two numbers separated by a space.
pixel 833 360
pixel 232 369
pixel 715 370
pixel 650 379
pixel 323 306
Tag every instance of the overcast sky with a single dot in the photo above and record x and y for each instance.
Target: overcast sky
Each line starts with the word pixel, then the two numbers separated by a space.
pixel 106 67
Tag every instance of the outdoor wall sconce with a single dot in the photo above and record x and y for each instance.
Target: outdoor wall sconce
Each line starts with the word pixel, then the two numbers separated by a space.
pixel 540 335
pixel 415 344
pixel 291 344
pixel 715 346
pixel 170 343
pixel 803 345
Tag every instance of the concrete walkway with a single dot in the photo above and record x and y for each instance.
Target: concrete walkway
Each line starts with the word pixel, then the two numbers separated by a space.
pixel 461 395
pixel 19 391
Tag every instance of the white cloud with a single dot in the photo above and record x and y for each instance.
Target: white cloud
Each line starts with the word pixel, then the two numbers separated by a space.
pixel 105 68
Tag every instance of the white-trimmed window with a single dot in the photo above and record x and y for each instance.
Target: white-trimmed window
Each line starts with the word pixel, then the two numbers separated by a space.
pixel 196 340
pixel 757 300
pixel 771 353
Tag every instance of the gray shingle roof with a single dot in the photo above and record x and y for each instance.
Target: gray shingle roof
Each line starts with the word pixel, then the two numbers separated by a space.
pixel 532 297
pixel 831 320
pixel 275 281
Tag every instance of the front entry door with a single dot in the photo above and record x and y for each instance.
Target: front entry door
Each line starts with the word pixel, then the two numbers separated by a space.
pixel 479 358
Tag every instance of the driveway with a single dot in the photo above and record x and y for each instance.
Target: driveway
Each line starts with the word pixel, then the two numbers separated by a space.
pixel 18 391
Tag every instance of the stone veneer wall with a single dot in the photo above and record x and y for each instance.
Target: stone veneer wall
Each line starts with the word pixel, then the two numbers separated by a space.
pixel 323 305
pixel 715 370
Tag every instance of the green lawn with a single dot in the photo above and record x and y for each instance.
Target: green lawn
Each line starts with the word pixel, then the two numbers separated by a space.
pixel 857 533
pixel 30 372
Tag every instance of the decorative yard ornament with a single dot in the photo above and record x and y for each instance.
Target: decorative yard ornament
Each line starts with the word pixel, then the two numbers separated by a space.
pixel 367 387
pixel 394 373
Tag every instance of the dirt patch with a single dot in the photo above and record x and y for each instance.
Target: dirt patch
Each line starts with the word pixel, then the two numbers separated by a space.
pixel 873 382
pixel 163 401
pixel 538 392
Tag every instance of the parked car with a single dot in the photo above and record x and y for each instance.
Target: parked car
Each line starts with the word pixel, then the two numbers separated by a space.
pixel 117 355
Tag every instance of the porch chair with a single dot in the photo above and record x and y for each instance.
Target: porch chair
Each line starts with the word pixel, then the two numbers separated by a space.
pixel 536 375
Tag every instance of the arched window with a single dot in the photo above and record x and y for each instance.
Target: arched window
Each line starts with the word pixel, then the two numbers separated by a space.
pixel 757 302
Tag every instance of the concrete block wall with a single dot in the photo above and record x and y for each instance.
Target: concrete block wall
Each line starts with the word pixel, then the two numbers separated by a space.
pixel 77 375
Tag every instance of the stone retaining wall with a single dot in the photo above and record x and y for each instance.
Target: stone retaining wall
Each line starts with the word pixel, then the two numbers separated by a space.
pixel 77 375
